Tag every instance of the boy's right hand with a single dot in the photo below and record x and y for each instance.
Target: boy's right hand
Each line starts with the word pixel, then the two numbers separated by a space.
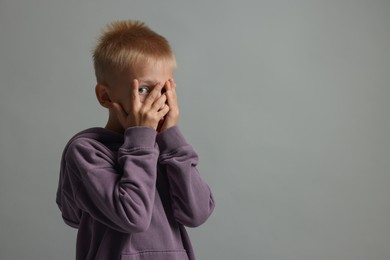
pixel 147 113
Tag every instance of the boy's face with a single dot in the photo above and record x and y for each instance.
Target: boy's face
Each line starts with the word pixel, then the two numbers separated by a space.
pixel 148 76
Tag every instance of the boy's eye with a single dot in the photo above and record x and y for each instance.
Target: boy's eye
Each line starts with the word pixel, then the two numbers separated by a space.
pixel 144 90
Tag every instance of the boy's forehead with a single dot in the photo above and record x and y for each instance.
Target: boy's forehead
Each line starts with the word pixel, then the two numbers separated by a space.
pixel 152 72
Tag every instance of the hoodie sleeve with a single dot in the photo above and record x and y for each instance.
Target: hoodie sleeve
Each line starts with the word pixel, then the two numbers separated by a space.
pixel 192 200
pixel 119 194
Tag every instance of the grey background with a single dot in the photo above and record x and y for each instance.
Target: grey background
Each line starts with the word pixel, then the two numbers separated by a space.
pixel 287 103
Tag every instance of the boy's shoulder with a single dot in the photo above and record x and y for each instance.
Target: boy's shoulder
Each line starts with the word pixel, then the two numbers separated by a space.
pixel 95 138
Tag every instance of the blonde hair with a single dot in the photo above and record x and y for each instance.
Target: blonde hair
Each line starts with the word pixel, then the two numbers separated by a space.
pixel 123 44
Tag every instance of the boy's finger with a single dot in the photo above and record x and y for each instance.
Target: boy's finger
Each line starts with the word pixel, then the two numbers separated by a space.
pixel 135 92
pixel 173 84
pixel 172 87
pixel 171 94
pixel 172 101
pixel 163 111
pixel 159 103
pixel 155 93
pixel 168 85
pixel 168 89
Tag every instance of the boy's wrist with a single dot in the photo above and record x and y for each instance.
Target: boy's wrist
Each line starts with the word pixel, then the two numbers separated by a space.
pixel 170 139
pixel 139 137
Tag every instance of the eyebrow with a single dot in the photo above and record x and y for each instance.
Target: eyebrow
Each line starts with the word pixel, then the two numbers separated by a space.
pixel 148 82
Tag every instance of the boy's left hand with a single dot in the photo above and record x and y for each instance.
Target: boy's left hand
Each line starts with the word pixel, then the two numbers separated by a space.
pixel 172 118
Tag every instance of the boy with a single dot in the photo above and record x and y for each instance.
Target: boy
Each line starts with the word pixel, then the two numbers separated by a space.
pixel 131 187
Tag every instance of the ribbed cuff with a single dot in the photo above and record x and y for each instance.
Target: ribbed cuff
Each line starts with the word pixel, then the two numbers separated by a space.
pixel 170 139
pixel 139 137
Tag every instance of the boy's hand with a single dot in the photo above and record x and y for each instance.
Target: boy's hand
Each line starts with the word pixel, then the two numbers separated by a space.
pixel 172 117
pixel 148 113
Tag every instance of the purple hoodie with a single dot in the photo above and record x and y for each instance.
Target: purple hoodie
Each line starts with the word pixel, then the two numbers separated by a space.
pixel 131 195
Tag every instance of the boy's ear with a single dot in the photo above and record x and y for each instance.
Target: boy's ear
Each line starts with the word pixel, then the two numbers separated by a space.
pixel 103 96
